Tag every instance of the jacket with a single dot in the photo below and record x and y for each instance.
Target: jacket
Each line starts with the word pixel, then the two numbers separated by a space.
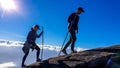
pixel 73 21
pixel 32 35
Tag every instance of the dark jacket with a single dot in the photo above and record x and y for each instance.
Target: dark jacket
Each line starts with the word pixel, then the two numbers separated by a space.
pixel 32 35
pixel 73 21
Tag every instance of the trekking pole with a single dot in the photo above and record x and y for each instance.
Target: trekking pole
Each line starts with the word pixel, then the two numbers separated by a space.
pixel 63 43
pixel 66 36
pixel 42 43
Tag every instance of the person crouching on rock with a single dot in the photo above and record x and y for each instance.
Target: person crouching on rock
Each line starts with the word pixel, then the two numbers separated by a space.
pixel 30 43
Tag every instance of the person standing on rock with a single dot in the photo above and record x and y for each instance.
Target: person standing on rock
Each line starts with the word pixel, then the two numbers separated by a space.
pixel 30 43
pixel 73 29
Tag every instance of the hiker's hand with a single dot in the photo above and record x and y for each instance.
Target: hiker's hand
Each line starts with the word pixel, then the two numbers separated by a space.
pixel 40 34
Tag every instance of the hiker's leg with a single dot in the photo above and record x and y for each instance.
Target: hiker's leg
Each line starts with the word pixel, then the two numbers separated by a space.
pixel 38 52
pixel 24 57
pixel 67 44
pixel 73 36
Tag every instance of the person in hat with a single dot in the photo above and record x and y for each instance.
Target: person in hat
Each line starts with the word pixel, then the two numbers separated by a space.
pixel 30 44
pixel 73 29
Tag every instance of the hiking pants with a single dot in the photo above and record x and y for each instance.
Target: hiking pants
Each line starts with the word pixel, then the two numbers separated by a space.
pixel 26 54
pixel 72 40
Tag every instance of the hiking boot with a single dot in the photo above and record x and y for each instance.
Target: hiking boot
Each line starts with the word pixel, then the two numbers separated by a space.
pixel 73 51
pixel 39 60
pixel 23 65
pixel 64 51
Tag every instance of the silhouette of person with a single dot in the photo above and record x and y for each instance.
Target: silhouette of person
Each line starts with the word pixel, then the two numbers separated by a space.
pixel 30 43
pixel 73 29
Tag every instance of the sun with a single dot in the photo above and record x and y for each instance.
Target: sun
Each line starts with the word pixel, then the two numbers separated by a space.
pixel 8 5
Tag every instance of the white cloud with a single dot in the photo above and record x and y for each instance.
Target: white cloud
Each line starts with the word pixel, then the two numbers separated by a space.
pixel 8 43
pixel 7 65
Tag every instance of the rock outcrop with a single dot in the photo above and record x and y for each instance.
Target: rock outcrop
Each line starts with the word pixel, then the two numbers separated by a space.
pixel 94 58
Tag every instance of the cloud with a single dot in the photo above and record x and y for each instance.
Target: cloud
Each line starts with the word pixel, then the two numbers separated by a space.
pixel 8 65
pixel 8 43
pixel 13 49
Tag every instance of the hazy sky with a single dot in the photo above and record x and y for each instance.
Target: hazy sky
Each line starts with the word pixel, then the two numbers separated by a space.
pixel 98 26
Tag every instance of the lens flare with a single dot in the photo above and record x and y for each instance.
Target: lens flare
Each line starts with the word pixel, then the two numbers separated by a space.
pixel 8 5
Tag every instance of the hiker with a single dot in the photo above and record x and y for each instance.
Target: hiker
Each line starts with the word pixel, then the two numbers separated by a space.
pixel 30 43
pixel 73 29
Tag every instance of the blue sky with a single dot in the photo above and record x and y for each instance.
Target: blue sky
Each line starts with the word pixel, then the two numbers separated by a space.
pixel 98 26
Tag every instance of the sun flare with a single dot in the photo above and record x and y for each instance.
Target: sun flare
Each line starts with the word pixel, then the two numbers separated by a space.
pixel 8 4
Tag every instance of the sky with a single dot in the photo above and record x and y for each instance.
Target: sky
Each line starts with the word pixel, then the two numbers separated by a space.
pixel 98 26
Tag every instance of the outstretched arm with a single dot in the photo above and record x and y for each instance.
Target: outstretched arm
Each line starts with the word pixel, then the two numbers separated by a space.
pixel 38 36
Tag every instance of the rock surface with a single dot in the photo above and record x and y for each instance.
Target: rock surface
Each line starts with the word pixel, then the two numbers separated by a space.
pixel 94 58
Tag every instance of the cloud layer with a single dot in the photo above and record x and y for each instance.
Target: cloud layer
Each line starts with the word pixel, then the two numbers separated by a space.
pixel 11 53
pixel 8 65
pixel 8 43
